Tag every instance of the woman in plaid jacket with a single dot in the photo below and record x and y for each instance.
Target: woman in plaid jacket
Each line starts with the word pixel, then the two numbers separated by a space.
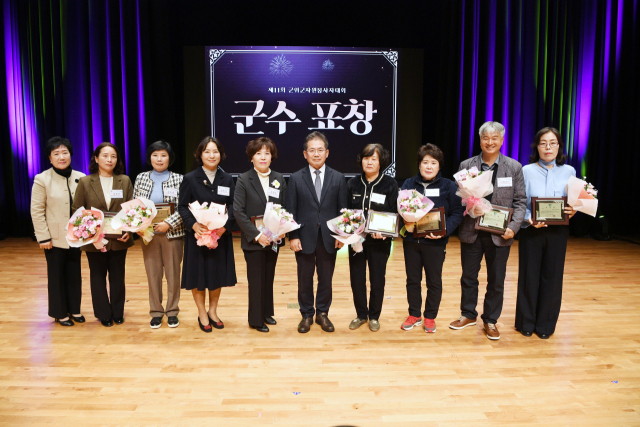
pixel 166 248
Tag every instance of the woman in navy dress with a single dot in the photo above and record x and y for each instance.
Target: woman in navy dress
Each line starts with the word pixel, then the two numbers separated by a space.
pixel 205 269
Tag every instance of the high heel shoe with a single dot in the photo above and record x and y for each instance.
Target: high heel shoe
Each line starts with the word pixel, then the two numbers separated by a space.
pixel 217 325
pixel 67 322
pixel 77 319
pixel 207 328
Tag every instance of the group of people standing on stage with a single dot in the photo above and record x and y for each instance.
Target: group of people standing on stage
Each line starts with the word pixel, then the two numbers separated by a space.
pixel 313 195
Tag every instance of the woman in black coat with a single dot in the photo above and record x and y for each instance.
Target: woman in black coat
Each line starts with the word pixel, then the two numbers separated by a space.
pixel 379 192
pixel 255 188
pixel 203 268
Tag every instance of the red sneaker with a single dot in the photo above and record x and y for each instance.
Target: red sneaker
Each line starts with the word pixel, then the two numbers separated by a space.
pixel 429 325
pixel 411 322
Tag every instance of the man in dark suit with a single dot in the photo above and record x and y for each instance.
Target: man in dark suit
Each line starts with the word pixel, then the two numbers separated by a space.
pixel 315 195
pixel 508 191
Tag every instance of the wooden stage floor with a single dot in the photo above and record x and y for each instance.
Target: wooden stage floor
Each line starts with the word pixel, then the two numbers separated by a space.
pixel 587 374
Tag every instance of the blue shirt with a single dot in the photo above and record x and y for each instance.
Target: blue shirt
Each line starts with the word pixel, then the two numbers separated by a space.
pixel 157 195
pixel 544 182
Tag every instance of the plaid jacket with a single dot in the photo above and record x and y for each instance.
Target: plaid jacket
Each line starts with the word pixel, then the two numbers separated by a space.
pixel 143 188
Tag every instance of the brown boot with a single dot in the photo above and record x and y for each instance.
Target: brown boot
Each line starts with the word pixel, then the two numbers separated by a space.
pixel 492 331
pixel 305 325
pixel 324 322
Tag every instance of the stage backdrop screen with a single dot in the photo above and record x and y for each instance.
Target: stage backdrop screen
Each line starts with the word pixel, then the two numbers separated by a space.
pixel 285 93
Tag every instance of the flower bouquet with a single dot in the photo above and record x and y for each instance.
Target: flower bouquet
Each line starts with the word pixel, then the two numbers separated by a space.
pixel 412 206
pixel 136 215
pixel 85 227
pixel 349 227
pixel 473 186
pixel 582 196
pixel 277 221
pixel 213 216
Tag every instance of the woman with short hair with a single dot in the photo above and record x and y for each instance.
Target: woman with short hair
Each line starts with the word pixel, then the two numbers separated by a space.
pixel 254 189
pixel 428 253
pixel 542 249
pixel 164 252
pixel 51 203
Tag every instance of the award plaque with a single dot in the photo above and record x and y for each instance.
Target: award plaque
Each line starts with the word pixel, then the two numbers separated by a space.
pixel 432 223
pixel 107 229
pixel 165 210
pixel 258 221
pixel 385 223
pixel 495 221
pixel 549 210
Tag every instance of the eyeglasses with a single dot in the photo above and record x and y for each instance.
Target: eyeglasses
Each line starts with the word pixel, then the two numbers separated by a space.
pixel 313 151
pixel 552 144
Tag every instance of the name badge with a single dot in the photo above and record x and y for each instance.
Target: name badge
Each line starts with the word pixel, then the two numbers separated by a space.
pixel 223 191
pixel 505 182
pixel 432 192
pixel 116 194
pixel 171 192
pixel 378 198
pixel 272 192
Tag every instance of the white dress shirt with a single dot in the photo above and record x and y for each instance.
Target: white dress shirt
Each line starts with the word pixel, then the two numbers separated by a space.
pixel 313 174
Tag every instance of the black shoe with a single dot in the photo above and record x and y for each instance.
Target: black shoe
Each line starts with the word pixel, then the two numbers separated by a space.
pixel 118 320
pixel 270 321
pixel 107 323
pixel 67 322
pixel 217 325
pixel 156 322
pixel 526 333
pixel 543 336
pixel 79 319
pixel 173 321
pixel 262 328
pixel 203 328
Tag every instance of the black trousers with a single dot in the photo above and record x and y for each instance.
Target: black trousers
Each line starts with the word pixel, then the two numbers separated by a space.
pixel 261 269
pixel 325 262
pixel 542 253
pixel 430 258
pixel 376 255
pixel 64 281
pixel 107 305
pixel 496 258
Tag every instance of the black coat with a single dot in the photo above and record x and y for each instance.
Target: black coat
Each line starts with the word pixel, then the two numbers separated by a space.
pixel 312 214
pixel 205 268
pixel 359 192
pixel 250 200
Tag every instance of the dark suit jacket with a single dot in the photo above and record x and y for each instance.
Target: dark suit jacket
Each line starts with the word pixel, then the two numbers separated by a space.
pixel 511 197
pixel 312 213
pixel 196 187
pixel 250 200
pixel 90 195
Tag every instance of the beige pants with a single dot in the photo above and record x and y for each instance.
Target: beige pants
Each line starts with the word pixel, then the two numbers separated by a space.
pixel 163 254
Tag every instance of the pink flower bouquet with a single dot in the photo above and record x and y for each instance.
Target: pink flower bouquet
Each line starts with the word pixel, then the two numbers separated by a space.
pixel 277 221
pixel 136 215
pixel 473 186
pixel 582 196
pixel 349 227
pixel 214 217
pixel 85 227
pixel 412 206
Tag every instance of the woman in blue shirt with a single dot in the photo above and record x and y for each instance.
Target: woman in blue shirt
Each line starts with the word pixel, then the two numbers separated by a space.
pixel 541 248
pixel 428 253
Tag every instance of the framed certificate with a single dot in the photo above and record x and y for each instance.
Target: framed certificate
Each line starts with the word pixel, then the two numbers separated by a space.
pixel 385 223
pixel 258 221
pixel 165 210
pixel 107 229
pixel 433 222
pixel 549 210
pixel 495 221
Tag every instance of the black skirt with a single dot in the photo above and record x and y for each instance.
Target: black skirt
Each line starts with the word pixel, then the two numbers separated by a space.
pixel 208 269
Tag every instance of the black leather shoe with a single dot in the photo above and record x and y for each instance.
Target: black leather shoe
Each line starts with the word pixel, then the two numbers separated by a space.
pixel 262 328
pixel 526 333
pixel 305 325
pixel 270 321
pixel 217 325
pixel 543 336
pixel 203 328
pixel 324 322
pixel 107 323
pixel 79 319
pixel 118 320
pixel 67 322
